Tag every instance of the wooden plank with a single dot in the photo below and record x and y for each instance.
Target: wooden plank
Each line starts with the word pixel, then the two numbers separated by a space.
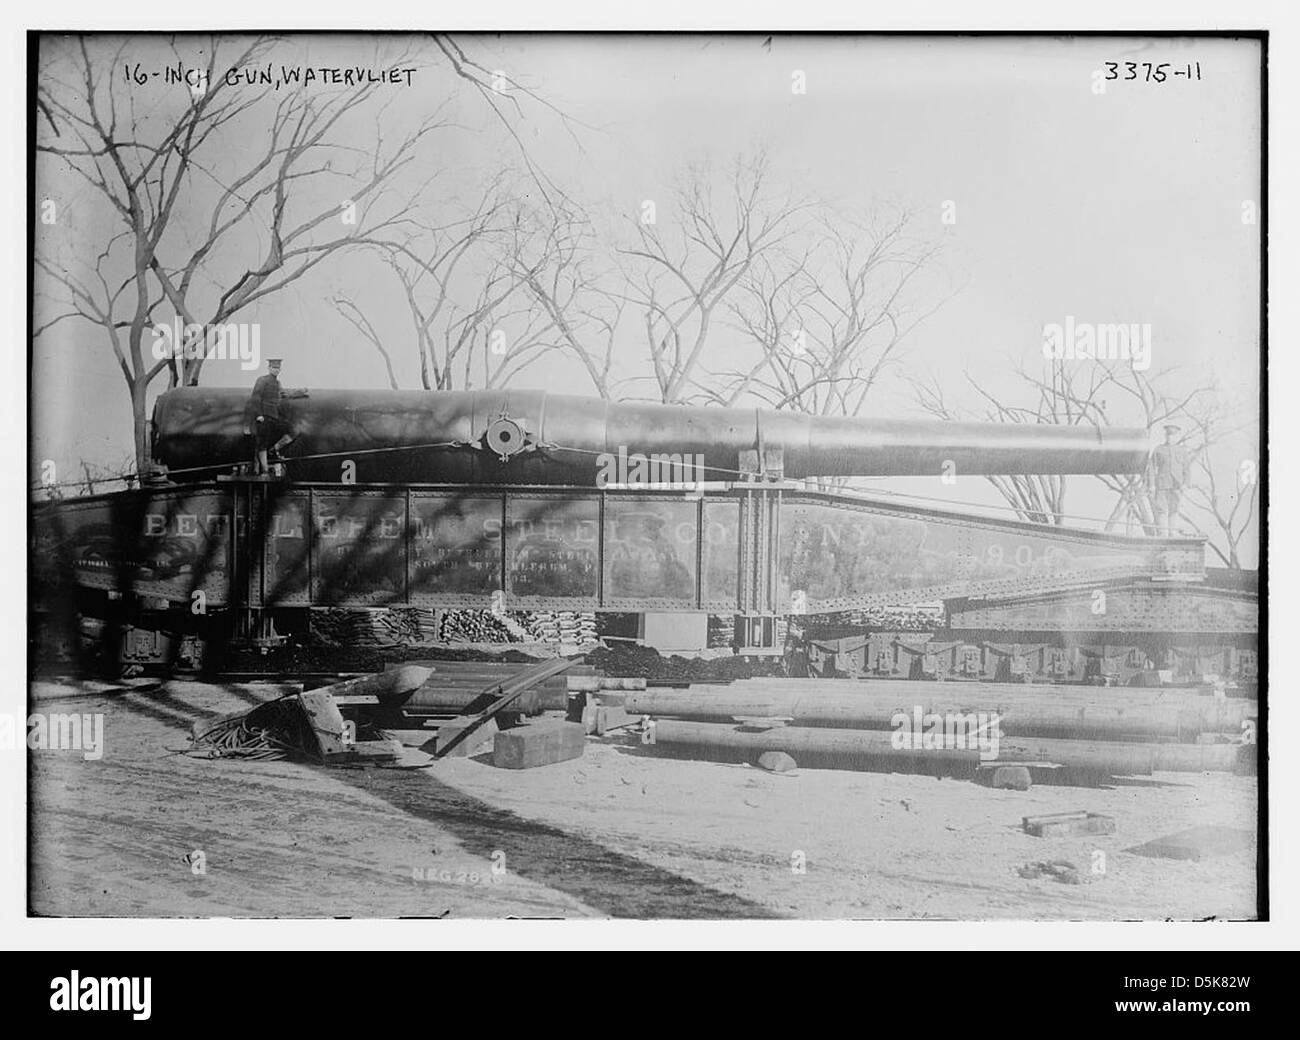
pixel 487 667
pixel 461 737
pixel 409 737
pixel 506 692
pixel 375 751
pixel 1062 825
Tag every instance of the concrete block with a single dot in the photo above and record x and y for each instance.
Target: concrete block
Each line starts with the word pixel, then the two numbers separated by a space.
pixel 539 743
pixel 1064 825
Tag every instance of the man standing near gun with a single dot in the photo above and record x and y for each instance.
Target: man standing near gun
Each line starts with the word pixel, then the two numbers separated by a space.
pixel 1167 475
pixel 265 418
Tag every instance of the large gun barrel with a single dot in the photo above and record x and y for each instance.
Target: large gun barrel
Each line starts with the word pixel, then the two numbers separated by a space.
pixel 534 437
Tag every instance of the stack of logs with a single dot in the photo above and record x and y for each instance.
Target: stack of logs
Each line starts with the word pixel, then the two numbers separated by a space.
pixel 1075 731
pixel 411 626
pixel 415 626
pixel 374 628
pixel 477 626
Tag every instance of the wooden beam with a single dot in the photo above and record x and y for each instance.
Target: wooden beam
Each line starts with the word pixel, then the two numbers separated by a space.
pixel 502 695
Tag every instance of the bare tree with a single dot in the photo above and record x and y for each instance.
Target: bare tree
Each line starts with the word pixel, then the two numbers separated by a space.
pixel 1223 496
pixel 563 274
pixel 498 331
pixel 1110 392
pixel 498 291
pixel 358 320
pixel 203 238
pixel 685 266
pixel 830 320
pixel 501 93
pixel 114 476
pixel 158 170
pixel 1054 399
pixel 426 264
pixel 462 285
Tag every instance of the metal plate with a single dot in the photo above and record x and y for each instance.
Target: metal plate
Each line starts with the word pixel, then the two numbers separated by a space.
pixel 164 545
pixel 721 554
pixel 1137 608
pixel 287 556
pixel 650 552
pixel 359 556
pixel 552 551
pixel 455 548
pixel 848 554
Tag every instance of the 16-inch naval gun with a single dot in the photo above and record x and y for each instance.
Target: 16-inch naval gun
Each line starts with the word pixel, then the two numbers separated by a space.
pixel 675 526
pixel 532 437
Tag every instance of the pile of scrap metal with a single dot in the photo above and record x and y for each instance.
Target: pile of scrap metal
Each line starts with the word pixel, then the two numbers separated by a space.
pixel 441 710
pixel 311 725
pixel 276 729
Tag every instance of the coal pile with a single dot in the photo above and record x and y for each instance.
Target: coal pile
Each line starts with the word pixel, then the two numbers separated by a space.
pixel 630 660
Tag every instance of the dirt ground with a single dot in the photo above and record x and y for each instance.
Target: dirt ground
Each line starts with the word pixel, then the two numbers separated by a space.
pixel 621 832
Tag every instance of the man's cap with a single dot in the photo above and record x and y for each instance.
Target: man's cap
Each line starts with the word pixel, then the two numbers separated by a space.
pixel 275 361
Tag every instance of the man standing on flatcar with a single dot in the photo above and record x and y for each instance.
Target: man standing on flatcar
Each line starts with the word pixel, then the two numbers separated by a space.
pixel 1167 475
pixel 265 417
